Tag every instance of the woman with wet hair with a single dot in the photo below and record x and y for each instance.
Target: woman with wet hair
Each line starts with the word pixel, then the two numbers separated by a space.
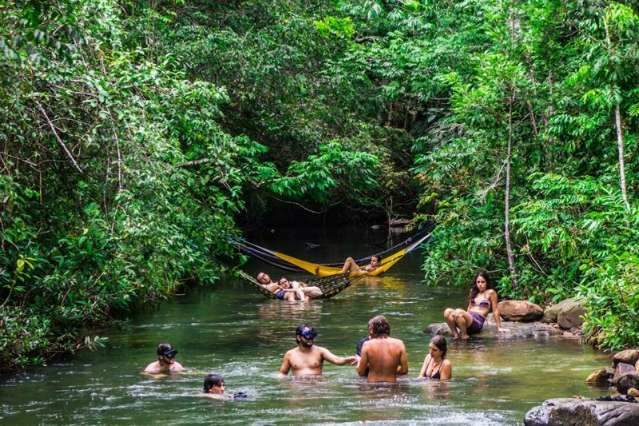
pixel 482 300
pixel 435 365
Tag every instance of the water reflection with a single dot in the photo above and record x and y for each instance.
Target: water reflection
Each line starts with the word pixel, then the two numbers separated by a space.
pixel 290 312
pixel 434 389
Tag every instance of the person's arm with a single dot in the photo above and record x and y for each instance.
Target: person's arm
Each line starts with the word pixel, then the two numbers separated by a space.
pixel 337 360
pixel 286 365
pixel 362 366
pixel 446 370
pixel 422 371
pixel 493 303
pixel 403 361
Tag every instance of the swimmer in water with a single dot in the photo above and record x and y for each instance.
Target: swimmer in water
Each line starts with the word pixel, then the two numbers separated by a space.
pixel 435 365
pixel 307 358
pixel 214 386
pixel 166 363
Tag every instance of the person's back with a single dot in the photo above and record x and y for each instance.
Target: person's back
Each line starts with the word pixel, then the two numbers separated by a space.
pixel 383 357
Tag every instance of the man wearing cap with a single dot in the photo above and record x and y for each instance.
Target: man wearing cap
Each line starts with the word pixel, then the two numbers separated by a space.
pixel 383 357
pixel 307 358
pixel 166 363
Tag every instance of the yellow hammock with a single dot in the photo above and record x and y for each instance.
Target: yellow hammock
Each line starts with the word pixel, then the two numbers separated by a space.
pixel 325 271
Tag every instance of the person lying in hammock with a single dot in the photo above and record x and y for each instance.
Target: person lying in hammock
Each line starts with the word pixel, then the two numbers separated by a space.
pixel 281 290
pixel 352 268
pixel 302 290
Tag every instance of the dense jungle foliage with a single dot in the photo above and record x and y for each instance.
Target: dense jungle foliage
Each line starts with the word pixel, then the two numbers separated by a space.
pixel 134 135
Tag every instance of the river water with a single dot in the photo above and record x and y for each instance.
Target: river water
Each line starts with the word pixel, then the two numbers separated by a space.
pixel 233 330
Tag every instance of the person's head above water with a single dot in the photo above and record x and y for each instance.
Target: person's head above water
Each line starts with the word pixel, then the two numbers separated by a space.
pixel 213 383
pixel 438 346
pixel 166 353
pixel 376 260
pixel 378 326
pixel 284 282
pixel 481 283
pixel 263 278
pixel 305 334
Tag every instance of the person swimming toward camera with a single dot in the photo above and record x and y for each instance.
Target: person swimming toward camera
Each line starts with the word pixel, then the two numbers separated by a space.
pixel 482 300
pixel 166 363
pixel 307 359
pixel 352 268
pixel 214 388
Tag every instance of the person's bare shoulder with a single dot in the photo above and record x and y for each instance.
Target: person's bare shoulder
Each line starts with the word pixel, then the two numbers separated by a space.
pixel 152 368
pixel 290 353
pixel 177 367
pixel 397 342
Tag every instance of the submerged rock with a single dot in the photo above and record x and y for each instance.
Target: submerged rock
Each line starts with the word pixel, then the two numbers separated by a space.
pixel 520 310
pixel 577 412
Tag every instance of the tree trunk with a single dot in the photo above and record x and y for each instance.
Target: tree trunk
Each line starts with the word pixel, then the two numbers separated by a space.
pixel 509 249
pixel 622 165
pixel 620 144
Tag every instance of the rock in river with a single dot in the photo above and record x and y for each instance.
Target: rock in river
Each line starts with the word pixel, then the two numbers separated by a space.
pixel 520 310
pixel 567 313
pixel 601 377
pixel 577 412
pixel 625 382
pixel 515 330
pixel 629 356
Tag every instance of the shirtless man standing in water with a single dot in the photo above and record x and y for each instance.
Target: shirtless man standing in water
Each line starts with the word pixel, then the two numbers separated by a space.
pixel 307 358
pixel 383 357
pixel 166 363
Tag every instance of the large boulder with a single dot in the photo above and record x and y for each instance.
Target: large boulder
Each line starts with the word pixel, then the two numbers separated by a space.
pixel 622 368
pixel 567 313
pixel 625 382
pixel 520 310
pixel 578 412
pixel 629 356
pixel 602 377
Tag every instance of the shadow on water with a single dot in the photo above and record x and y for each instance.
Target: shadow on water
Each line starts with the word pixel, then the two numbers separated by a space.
pixel 233 330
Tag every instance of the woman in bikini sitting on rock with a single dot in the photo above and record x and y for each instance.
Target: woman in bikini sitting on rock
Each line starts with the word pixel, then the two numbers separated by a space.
pixel 483 299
